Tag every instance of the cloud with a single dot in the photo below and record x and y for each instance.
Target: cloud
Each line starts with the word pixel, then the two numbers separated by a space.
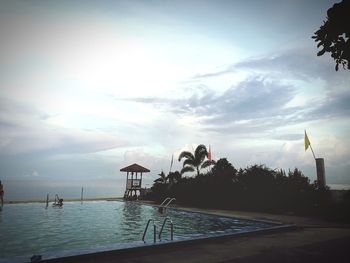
pixel 31 175
pixel 251 104
pixel 289 137
pixel 25 129
pixel 263 103
pixel 336 104
pixel 217 73
pixel 297 63
pixel 250 98
pixel 253 98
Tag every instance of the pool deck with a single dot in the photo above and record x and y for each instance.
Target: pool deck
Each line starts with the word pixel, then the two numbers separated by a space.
pixel 312 240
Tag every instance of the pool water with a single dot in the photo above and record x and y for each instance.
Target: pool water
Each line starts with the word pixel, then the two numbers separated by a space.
pixel 28 229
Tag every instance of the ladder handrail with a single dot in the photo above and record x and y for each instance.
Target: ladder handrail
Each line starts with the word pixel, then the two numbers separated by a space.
pixel 162 207
pixel 154 231
pixel 168 203
pixel 166 199
pixel 171 228
pixel 172 199
pixel 56 198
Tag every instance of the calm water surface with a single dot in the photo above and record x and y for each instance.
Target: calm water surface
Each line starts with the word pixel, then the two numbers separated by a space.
pixel 28 229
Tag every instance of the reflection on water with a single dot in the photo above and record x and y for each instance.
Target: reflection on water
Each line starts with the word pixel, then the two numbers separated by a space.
pixel 31 229
pixel 131 220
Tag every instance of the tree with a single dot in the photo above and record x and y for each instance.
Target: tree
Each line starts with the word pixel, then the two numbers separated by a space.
pixel 298 181
pixel 174 177
pixel 257 186
pixel 195 162
pixel 163 179
pixel 224 168
pixel 334 34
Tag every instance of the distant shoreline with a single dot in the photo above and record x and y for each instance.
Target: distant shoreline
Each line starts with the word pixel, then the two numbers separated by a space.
pixel 65 200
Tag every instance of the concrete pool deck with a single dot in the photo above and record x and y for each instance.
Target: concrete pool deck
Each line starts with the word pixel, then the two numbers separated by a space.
pixel 313 240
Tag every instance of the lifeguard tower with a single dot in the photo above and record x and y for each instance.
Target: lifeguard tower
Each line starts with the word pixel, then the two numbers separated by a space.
pixel 133 184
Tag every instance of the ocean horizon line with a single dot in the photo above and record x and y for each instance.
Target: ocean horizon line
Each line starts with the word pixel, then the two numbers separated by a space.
pixel 37 200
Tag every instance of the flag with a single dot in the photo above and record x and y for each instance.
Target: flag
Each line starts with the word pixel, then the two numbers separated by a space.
pixel 306 142
pixel 209 153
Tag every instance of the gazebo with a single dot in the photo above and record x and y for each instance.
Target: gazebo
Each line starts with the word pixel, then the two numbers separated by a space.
pixel 133 184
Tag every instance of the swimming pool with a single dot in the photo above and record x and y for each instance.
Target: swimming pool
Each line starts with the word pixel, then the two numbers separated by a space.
pixel 28 229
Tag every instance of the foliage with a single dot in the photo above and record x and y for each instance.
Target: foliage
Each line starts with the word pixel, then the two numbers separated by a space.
pixel 224 168
pixel 163 185
pixel 174 177
pixel 334 34
pixel 195 162
pixel 163 179
pixel 255 188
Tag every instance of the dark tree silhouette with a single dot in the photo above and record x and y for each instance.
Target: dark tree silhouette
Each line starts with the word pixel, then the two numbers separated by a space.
pixel 334 34
pixel 224 168
pixel 195 161
pixel 163 179
pixel 254 188
pixel 223 165
pixel 174 177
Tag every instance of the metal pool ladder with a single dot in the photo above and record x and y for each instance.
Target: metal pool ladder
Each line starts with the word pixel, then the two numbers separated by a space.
pixel 154 231
pixel 165 204
pixel 171 229
pixel 161 230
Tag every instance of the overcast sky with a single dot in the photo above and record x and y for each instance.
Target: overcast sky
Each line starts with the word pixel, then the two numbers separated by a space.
pixel 88 87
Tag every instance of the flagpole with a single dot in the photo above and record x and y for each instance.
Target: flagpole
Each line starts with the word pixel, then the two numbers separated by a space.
pixel 312 150
pixel 171 163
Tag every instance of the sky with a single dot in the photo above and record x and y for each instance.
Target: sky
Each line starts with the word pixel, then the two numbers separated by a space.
pixel 89 87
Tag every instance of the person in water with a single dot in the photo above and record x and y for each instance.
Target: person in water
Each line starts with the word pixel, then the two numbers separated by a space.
pixel 58 201
pixel 2 194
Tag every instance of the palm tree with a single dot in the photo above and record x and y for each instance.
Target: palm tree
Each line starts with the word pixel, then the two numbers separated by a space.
pixel 163 179
pixel 174 177
pixel 195 162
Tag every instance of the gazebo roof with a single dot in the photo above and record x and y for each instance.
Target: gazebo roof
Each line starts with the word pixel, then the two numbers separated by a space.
pixel 135 168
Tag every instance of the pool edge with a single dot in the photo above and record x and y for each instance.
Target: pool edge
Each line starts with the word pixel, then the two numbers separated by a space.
pixel 117 253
